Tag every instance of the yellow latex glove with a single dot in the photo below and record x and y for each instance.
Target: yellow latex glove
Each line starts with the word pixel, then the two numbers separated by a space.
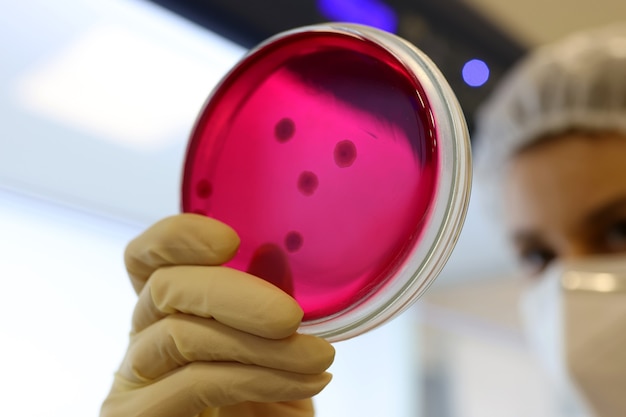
pixel 208 340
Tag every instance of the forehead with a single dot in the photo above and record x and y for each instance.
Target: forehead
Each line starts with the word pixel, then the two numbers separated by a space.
pixel 556 182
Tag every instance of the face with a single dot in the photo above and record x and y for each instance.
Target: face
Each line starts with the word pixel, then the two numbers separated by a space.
pixel 565 197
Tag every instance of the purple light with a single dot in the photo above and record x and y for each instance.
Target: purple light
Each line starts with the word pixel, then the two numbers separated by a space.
pixel 475 72
pixel 367 12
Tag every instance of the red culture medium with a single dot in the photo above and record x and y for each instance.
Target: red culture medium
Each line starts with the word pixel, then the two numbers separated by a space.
pixel 320 150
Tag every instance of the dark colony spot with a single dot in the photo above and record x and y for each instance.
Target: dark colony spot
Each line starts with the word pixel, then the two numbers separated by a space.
pixel 204 189
pixel 284 129
pixel 293 241
pixel 307 183
pixel 345 153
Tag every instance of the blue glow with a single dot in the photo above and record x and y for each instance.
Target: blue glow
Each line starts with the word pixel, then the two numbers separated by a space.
pixel 366 12
pixel 475 72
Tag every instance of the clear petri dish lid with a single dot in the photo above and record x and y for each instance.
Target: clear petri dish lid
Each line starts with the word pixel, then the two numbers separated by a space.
pixel 341 157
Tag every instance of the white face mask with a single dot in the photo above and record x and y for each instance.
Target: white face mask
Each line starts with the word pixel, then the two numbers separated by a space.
pixel 575 322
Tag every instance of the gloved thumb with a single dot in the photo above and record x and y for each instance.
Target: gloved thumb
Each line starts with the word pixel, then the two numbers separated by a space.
pixel 270 263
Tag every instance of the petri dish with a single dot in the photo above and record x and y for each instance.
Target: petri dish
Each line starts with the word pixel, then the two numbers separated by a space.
pixel 340 155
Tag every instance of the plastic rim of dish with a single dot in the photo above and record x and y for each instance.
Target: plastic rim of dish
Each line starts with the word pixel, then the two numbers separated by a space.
pixel 449 206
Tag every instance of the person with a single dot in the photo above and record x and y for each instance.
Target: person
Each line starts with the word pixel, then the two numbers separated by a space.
pixel 551 145
pixel 210 341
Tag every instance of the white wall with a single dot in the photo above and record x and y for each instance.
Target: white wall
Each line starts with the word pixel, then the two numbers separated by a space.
pixel 65 310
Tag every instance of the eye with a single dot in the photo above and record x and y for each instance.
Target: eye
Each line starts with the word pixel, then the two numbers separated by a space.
pixel 535 260
pixel 616 236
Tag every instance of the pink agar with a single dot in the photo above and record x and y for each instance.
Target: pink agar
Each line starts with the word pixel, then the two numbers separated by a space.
pixel 320 150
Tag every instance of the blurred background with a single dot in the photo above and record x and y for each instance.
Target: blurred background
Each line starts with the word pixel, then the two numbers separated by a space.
pixel 96 102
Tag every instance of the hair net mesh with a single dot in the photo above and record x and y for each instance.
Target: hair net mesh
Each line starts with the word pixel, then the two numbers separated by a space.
pixel 576 83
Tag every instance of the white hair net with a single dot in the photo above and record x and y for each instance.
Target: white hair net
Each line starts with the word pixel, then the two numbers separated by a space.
pixel 576 83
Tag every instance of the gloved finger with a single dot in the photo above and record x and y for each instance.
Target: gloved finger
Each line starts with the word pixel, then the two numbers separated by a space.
pixel 190 390
pixel 184 239
pixel 180 339
pixel 232 297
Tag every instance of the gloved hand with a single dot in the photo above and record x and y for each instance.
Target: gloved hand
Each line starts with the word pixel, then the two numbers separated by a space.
pixel 208 340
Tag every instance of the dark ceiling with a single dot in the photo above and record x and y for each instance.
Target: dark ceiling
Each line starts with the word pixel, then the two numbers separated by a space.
pixel 449 31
